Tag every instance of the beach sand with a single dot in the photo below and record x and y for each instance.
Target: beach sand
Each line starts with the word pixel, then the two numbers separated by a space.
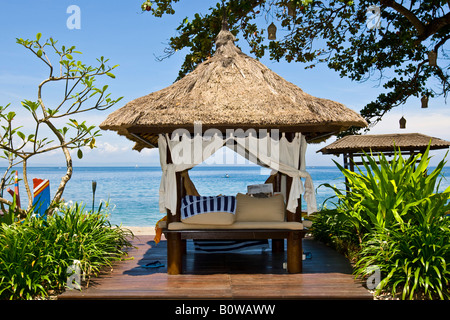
pixel 141 231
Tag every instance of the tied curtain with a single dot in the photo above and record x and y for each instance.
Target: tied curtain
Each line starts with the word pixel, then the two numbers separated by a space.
pixel 280 155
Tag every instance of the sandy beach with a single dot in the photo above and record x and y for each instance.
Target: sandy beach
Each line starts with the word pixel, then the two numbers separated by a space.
pixel 141 231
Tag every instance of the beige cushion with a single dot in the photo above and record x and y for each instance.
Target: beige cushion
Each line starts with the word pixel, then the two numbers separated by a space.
pixel 292 225
pixel 259 209
pixel 217 218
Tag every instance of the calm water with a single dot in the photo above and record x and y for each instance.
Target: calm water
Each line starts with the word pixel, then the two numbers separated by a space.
pixel 134 191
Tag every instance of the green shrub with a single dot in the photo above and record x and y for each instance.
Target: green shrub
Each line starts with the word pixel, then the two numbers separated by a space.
pixel 399 215
pixel 36 253
pixel 414 261
pixel 390 192
pixel 330 228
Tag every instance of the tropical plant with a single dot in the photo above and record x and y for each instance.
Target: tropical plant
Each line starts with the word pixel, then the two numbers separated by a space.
pixel 400 216
pixel 79 94
pixel 414 260
pixel 390 192
pixel 36 253
pixel 333 229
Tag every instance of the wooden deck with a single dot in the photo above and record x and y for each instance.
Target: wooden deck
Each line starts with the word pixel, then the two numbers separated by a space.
pixel 253 275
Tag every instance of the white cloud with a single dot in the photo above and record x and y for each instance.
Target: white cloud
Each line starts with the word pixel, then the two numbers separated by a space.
pixel 108 147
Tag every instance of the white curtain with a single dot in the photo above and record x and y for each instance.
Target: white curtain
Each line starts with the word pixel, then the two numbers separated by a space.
pixel 279 155
pixel 186 153
pixel 285 157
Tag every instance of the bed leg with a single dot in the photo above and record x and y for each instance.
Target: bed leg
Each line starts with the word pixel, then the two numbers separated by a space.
pixel 174 254
pixel 183 246
pixel 277 245
pixel 294 252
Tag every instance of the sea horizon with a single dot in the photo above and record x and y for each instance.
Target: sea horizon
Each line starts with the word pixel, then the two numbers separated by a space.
pixel 133 191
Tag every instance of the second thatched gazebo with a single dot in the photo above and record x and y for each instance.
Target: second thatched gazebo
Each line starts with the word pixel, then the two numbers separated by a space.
pixel 356 145
pixel 227 93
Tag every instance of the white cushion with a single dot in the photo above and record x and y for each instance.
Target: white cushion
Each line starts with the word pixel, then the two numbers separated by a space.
pixel 219 218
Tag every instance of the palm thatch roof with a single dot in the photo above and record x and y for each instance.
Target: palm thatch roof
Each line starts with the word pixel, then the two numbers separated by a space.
pixel 384 143
pixel 228 91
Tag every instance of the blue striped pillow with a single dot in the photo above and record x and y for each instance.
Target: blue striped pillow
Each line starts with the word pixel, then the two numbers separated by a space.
pixel 194 205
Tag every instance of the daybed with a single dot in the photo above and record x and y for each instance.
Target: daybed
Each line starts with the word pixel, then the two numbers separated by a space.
pixel 251 218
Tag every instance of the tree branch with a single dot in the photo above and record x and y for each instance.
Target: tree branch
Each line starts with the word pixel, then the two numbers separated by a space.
pixel 435 26
pixel 27 186
pixel 21 211
pixel 420 27
pixel 68 157
pixel 423 30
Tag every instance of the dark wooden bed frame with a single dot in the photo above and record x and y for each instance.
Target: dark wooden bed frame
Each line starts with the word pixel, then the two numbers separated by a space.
pixel 176 239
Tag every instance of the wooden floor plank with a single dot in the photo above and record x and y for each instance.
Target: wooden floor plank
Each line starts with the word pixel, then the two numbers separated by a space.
pixel 253 275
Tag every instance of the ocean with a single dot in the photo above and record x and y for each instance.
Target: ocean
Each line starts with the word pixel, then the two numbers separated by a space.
pixel 133 192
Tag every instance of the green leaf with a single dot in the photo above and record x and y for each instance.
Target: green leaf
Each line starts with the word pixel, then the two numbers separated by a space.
pixel 109 74
pixel 30 105
pixel 11 115
pixel 38 36
pixel 52 112
pixel 21 135
pixel 80 154
pixel 39 53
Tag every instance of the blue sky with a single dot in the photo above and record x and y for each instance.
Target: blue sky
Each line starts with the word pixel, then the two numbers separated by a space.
pixel 119 31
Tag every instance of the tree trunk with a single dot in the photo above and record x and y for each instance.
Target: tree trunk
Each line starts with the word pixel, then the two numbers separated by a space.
pixel 68 175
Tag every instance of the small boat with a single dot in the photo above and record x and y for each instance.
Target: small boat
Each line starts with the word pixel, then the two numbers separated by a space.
pixel 226 175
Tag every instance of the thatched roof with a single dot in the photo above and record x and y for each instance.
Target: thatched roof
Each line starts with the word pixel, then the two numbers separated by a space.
pixel 384 143
pixel 228 91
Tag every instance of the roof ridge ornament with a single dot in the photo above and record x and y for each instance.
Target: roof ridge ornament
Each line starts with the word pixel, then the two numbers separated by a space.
pixel 224 35
pixel 224 18
pixel 224 24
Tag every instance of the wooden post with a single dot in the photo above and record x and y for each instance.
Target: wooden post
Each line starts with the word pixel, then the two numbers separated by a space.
pixel 294 240
pixel 181 192
pixel 294 252
pixel 351 162
pixel 174 254
pixel 347 189
pixel 277 244
pixel 174 243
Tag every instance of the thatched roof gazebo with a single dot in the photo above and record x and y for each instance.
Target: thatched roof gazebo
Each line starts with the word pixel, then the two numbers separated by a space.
pixel 232 92
pixel 356 145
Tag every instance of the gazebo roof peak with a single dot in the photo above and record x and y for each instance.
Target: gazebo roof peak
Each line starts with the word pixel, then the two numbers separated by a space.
pixel 228 91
